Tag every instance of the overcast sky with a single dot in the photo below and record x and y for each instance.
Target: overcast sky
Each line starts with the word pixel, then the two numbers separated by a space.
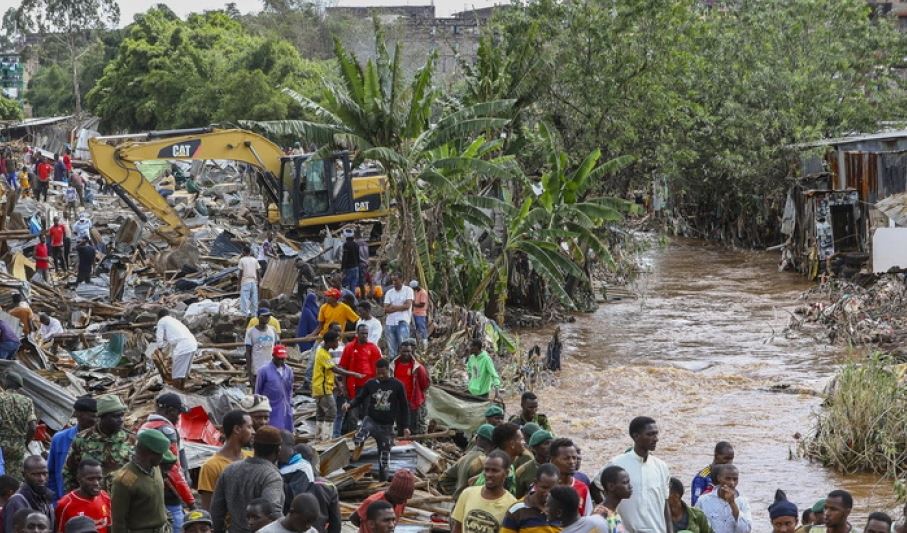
pixel 183 7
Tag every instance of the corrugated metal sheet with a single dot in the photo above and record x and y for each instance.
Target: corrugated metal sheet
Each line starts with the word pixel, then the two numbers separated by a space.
pixel 53 404
pixel 280 278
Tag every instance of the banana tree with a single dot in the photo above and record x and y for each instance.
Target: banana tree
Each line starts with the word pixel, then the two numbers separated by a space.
pixel 373 113
pixel 556 230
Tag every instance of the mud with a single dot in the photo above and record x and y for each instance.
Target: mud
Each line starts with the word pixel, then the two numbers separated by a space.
pixel 700 351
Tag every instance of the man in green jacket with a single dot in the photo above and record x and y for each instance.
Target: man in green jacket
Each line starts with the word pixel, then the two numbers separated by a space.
pixel 137 495
pixel 685 518
pixel 483 377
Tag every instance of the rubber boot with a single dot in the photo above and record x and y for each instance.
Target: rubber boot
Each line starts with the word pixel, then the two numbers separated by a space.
pixel 328 430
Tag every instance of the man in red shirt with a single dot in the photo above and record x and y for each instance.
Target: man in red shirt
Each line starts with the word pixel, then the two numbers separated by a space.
pixel 44 169
pixel 415 381
pixel 67 162
pixel 359 356
pixel 399 491
pixel 87 500
pixel 57 235
pixel 42 257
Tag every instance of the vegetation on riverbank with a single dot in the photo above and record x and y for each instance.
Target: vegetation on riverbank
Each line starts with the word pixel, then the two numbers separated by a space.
pixel 862 426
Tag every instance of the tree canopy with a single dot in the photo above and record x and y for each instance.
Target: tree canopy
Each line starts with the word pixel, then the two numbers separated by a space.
pixel 170 73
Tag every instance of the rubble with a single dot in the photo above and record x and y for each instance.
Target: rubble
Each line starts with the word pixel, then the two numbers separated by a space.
pixel 108 344
pixel 867 310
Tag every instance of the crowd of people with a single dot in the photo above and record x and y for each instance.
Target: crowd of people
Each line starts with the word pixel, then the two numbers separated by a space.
pixel 516 475
pixel 367 379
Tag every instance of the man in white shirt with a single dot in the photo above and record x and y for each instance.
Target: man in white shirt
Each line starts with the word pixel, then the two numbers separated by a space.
pixel 50 326
pixel 646 511
pixel 398 304
pixel 82 227
pixel 260 341
pixel 725 509
pixel 248 283
pixel 375 329
pixel 173 335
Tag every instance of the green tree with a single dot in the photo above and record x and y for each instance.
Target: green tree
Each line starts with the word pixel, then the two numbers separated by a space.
pixel 50 90
pixel 68 21
pixel 10 109
pixel 170 73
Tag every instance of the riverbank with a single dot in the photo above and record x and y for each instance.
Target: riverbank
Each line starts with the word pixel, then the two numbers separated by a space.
pixel 701 350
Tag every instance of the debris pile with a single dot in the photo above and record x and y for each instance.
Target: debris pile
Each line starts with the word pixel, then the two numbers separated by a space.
pixel 864 311
pixel 107 344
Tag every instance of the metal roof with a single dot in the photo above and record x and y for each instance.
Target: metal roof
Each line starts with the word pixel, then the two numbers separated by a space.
pixel 41 121
pixel 893 134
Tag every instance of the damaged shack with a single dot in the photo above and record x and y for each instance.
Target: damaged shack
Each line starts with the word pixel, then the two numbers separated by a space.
pixel 838 204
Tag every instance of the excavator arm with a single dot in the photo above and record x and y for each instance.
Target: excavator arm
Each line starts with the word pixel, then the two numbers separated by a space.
pixel 116 163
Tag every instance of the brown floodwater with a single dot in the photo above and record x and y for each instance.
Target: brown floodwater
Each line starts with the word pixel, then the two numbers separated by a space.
pixel 698 351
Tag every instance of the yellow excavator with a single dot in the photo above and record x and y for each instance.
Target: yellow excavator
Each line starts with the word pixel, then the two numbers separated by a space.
pixel 300 190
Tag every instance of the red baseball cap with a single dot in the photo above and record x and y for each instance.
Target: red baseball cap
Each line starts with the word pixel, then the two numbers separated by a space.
pixel 279 351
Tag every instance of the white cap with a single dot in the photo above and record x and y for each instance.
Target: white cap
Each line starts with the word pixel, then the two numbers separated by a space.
pixel 414 284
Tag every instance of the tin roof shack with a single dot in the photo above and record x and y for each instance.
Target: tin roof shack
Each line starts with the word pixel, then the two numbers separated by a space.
pixel 831 215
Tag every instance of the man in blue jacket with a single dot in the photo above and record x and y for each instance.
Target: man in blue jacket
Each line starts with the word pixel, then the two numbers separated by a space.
pixel 85 411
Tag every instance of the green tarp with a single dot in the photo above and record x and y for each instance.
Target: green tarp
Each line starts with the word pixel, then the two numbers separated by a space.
pixel 453 412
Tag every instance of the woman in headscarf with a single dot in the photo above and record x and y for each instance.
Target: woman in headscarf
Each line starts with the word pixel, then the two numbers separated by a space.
pixel 308 320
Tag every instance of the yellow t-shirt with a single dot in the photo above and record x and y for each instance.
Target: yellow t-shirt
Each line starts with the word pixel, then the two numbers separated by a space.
pixel 323 373
pixel 340 313
pixel 478 515
pixel 23 180
pixel 273 322
pixel 212 469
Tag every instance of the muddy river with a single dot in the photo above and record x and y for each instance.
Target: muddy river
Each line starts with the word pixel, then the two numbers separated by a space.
pixel 698 351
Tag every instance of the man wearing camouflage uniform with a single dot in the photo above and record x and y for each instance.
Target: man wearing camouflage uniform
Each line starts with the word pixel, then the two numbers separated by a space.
pixel 19 422
pixel 107 443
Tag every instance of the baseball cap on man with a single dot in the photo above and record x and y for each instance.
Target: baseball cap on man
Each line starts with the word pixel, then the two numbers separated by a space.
pixel 279 351
pixel 198 516
pixel 169 399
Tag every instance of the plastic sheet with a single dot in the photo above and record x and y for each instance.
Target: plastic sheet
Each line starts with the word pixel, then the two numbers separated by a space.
pixel 107 355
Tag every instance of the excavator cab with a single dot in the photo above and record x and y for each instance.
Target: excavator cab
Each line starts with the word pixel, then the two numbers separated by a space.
pixel 315 192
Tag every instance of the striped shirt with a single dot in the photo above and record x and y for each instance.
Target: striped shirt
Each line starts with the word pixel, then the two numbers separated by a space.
pixel 524 518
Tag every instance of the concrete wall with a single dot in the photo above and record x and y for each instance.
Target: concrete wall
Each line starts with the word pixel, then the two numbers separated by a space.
pixel 419 32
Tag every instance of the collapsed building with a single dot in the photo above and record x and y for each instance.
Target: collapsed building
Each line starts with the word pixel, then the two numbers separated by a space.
pixel 846 210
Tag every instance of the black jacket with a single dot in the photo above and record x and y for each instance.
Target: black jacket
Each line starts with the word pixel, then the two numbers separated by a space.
pixel 386 400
